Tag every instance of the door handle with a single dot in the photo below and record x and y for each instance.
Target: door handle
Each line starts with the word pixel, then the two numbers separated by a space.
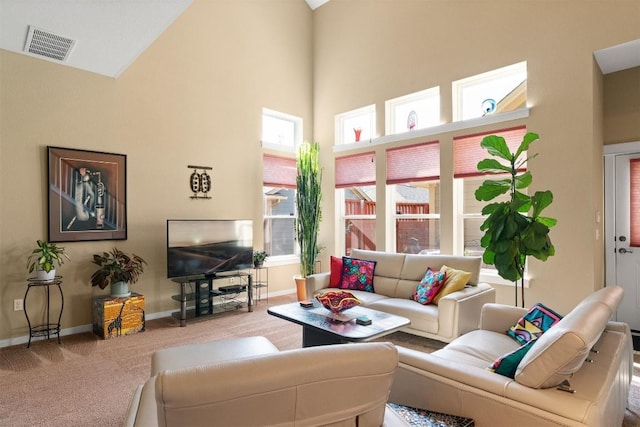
pixel 624 251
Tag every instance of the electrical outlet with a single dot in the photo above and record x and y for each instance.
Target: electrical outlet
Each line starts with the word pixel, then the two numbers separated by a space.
pixel 18 304
pixel 232 280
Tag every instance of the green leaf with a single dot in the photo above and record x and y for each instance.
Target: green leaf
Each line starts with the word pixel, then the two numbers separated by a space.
pixel 496 146
pixel 549 222
pixel 528 138
pixel 492 207
pixel 523 180
pixel 540 200
pixel 492 165
pixel 489 190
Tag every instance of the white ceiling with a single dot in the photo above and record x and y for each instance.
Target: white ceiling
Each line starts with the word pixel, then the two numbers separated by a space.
pixel 111 34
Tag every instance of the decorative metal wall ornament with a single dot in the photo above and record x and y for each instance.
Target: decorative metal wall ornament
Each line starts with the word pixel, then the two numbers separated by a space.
pixel 200 182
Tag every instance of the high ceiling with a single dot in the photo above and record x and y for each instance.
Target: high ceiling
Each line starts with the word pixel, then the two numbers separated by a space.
pixel 105 37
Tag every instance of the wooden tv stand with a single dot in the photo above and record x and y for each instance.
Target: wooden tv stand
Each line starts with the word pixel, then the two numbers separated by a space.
pixel 204 294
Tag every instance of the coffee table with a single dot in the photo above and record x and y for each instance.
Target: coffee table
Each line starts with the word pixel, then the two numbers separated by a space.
pixel 319 327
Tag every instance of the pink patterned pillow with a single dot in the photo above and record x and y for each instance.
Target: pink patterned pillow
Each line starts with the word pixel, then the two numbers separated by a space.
pixel 357 274
pixel 428 288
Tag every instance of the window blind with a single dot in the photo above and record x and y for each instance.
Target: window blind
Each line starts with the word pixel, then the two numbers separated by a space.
pixel 634 205
pixel 356 170
pixel 278 171
pixel 419 162
pixel 467 151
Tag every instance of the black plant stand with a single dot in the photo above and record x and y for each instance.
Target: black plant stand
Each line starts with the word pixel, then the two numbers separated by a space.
pixel 45 329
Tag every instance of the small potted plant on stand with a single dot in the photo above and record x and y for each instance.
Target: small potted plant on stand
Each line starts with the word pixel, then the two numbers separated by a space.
pixel 118 270
pixel 259 258
pixel 43 260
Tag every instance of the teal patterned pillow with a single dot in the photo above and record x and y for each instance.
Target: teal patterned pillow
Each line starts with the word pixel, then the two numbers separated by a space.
pixel 357 274
pixel 429 286
pixel 506 365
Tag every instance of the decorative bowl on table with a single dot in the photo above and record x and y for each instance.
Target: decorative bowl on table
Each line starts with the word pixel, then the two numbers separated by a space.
pixel 338 301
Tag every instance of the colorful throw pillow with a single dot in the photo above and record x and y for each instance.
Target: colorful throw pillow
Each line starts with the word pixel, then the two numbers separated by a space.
pixel 428 286
pixel 507 364
pixel 357 274
pixel 336 272
pixel 538 319
pixel 455 281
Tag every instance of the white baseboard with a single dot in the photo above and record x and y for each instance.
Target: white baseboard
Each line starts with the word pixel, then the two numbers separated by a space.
pixel 88 328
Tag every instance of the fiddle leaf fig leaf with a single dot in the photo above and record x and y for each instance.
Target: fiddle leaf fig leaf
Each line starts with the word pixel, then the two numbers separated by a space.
pixel 492 165
pixel 496 146
pixel 540 200
pixel 549 222
pixel 489 190
pixel 528 138
pixel 523 180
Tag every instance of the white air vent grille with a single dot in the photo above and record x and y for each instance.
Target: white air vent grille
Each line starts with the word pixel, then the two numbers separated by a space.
pixel 43 43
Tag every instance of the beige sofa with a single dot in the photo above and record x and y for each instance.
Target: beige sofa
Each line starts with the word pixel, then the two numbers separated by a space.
pixel 248 382
pixel 585 348
pixel 396 277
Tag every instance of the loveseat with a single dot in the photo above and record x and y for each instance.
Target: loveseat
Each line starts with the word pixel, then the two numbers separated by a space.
pixel 585 354
pixel 396 277
pixel 248 382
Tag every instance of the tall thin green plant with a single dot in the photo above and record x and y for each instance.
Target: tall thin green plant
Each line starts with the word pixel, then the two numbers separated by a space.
pixel 309 204
pixel 514 229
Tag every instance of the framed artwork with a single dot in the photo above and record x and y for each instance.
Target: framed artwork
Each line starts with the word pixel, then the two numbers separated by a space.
pixel 87 195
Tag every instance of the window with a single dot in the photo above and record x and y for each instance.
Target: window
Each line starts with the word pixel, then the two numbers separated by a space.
pixel 356 125
pixel 467 154
pixel 412 112
pixel 356 194
pixel 279 182
pixel 413 184
pixel 504 89
pixel 280 129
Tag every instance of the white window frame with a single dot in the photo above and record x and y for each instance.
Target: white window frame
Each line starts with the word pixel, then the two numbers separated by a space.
pixel 297 130
pixel 368 112
pixel 458 86
pixel 280 259
pixel 342 217
pixel 391 106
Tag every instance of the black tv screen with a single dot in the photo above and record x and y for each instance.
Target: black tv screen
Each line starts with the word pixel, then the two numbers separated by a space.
pixel 207 247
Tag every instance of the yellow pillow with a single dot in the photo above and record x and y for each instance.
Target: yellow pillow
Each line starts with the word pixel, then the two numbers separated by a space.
pixel 455 281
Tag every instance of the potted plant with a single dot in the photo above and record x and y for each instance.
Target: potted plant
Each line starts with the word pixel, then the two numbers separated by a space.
pixel 43 260
pixel 308 203
pixel 118 270
pixel 514 229
pixel 259 257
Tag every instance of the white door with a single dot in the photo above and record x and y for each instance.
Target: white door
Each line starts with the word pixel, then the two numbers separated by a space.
pixel 627 256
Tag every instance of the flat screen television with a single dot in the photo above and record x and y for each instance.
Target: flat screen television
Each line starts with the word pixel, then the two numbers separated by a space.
pixel 208 246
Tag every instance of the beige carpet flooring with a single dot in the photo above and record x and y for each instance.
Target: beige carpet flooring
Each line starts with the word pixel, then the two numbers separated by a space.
pixel 87 381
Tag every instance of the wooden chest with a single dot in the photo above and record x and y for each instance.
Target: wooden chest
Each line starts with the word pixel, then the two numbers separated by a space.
pixel 113 317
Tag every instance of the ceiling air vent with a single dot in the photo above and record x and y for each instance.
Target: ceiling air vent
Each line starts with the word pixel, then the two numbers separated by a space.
pixel 44 43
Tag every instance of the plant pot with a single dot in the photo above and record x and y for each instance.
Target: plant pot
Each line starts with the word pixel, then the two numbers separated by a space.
pixel 44 276
pixel 301 287
pixel 258 264
pixel 120 289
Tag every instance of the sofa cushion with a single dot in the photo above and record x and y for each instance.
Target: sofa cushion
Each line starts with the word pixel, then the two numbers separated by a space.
pixel 533 324
pixel 428 286
pixel 561 351
pixel 336 272
pixel 506 365
pixel 423 317
pixel 357 274
pixel 455 281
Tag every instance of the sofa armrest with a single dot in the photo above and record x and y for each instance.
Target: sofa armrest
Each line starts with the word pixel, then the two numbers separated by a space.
pixel 317 281
pixel 459 312
pixel 132 410
pixel 500 317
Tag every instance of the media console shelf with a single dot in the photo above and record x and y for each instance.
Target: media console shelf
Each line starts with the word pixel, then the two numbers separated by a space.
pixel 206 300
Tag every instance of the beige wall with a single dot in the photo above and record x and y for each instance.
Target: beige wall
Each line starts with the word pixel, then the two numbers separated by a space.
pixel 193 97
pixel 622 106
pixel 370 51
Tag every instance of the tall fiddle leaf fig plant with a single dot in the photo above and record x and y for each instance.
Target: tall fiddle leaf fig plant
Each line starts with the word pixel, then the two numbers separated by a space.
pixel 308 201
pixel 514 228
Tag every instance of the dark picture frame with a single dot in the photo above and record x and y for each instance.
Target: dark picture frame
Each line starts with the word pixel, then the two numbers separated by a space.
pixel 87 195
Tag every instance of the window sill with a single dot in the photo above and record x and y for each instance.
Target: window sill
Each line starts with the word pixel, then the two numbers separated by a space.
pixel 492 277
pixel 275 261
pixel 435 130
